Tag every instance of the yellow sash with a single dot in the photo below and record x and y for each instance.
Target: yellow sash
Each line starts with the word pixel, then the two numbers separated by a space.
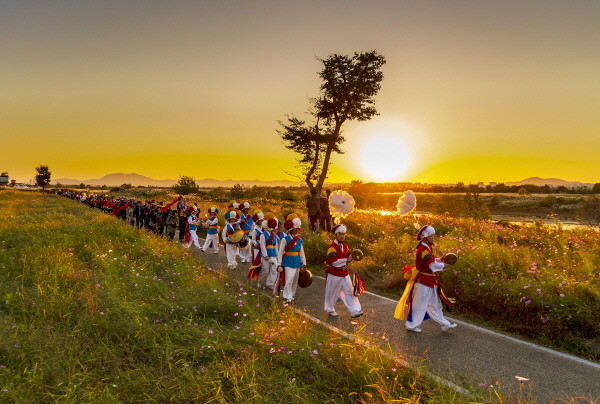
pixel 292 253
pixel 399 312
pixel 271 246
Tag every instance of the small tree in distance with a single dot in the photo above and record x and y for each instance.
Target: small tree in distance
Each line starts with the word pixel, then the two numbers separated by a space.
pixel 186 185
pixel 42 178
pixel 237 191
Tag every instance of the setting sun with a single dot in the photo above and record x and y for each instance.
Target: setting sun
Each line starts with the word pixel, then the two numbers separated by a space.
pixel 383 158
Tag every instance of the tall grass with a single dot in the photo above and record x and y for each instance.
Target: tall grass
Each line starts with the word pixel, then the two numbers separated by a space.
pixel 92 310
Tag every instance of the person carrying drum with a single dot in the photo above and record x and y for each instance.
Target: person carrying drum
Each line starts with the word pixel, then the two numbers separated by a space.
pixel 426 297
pixel 230 246
pixel 291 257
pixel 256 266
pixel 268 249
pixel 212 231
pixel 338 283
pixel 246 224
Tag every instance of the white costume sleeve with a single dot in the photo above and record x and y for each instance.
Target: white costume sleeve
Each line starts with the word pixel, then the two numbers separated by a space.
pixel 437 266
pixel 280 252
pixel 302 256
pixel 224 234
pixel 263 245
pixel 339 262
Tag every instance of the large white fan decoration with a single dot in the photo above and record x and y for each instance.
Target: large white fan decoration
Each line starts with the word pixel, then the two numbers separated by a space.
pixel 406 203
pixel 341 204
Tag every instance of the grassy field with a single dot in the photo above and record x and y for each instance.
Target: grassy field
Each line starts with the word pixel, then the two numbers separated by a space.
pixel 92 310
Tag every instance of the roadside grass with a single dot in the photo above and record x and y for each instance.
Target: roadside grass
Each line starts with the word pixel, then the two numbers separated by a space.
pixel 93 310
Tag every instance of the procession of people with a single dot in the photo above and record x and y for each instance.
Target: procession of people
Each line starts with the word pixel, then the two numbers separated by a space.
pixel 275 251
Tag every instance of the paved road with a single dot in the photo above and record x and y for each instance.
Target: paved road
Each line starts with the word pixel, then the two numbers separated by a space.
pixel 466 355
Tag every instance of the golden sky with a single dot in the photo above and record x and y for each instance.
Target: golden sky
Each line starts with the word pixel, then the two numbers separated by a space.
pixel 473 91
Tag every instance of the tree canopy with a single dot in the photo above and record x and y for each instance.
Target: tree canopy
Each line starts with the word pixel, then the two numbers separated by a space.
pixel 186 185
pixel 42 178
pixel 347 93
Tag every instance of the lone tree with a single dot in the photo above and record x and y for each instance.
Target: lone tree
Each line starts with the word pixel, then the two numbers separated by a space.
pixel 347 93
pixel 186 185
pixel 42 178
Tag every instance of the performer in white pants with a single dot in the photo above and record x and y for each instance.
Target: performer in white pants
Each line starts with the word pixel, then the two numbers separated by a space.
pixel 246 224
pixel 338 282
pixel 268 249
pixel 291 257
pixel 426 296
pixel 212 232
pixel 192 227
pixel 230 247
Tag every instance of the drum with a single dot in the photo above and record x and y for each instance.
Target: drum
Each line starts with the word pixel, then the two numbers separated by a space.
pixel 243 243
pixel 450 258
pixel 356 254
pixel 237 236
pixel 304 278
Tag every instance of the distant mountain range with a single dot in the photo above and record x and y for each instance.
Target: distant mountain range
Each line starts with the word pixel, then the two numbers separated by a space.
pixel 554 182
pixel 116 179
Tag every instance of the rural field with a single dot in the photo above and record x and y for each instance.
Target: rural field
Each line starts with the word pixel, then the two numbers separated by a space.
pixel 533 280
pixel 92 310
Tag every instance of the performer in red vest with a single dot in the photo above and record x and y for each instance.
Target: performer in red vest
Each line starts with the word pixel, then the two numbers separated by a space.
pixel 338 283
pixel 427 296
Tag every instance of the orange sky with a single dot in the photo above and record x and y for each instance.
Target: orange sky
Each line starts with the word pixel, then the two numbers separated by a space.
pixel 473 91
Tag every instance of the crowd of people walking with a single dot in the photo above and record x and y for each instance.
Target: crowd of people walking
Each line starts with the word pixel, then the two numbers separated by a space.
pixel 275 250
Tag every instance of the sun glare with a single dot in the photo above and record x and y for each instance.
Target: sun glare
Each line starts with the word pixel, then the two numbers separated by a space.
pixel 383 158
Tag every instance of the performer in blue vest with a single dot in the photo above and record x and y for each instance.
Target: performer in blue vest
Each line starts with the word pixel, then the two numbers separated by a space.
pixel 291 257
pixel 230 247
pixel 212 231
pixel 192 222
pixel 268 248
pixel 246 224
pixel 255 234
